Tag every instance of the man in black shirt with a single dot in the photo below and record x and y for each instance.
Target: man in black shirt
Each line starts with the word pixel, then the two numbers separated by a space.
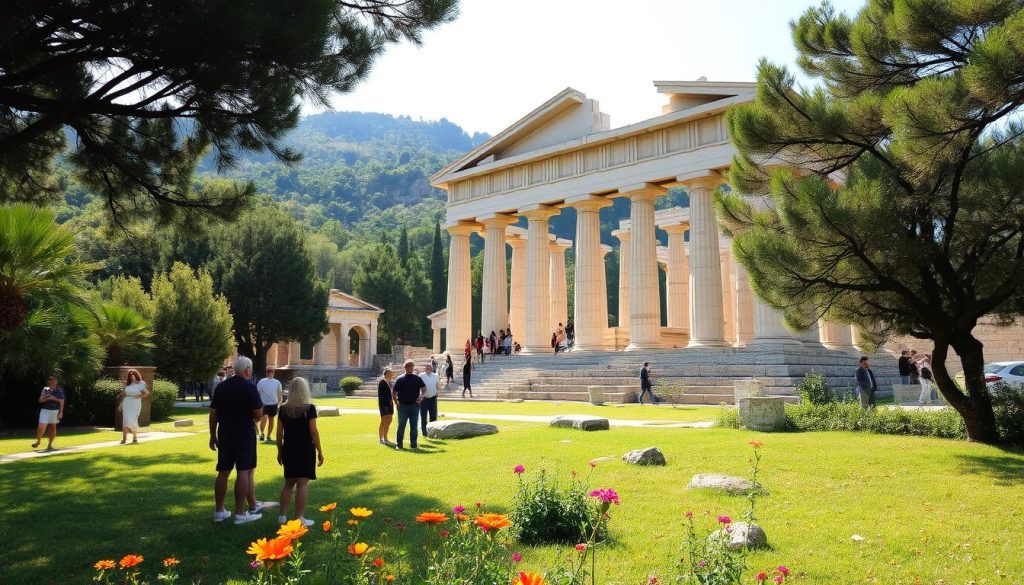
pixel 408 392
pixel 645 382
pixel 234 412
pixel 904 365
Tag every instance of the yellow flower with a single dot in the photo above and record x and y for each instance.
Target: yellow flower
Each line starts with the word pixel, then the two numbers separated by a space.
pixel 361 512
pixel 292 530
pixel 329 507
pixel 104 565
pixel 274 549
pixel 358 549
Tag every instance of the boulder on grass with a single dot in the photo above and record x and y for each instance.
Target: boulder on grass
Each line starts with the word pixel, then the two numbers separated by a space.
pixel 725 483
pixel 458 429
pixel 184 422
pixel 742 535
pixel 328 411
pixel 582 422
pixel 648 456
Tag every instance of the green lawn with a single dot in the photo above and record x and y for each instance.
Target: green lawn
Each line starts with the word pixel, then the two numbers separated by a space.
pixel 19 441
pixel 620 411
pixel 929 510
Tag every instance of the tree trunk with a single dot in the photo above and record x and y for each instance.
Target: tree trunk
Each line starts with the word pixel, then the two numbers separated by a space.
pixel 259 360
pixel 975 407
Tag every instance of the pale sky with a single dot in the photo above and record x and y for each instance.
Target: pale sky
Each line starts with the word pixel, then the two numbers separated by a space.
pixel 500 60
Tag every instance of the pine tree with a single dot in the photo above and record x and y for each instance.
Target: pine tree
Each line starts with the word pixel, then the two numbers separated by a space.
pixel 438 272
pixel 403 247
pixel 380 280
pixel 418 289
pixel 901 208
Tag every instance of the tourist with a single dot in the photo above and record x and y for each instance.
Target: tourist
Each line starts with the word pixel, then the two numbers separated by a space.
pixel 492 341
pixel 51 410
pixel 925 368
pixel 866 384
pixel 915 372
pixel 516 348
pixel 298 449
pixel 234 412
pixel 467 369
pixel 433 362
pixel 508 344
pixel 479 345
pixel 386 406
pixel 570 333
pixel 903 363
pixel 271 395
pixel 428 406
pixel 449 370
pixel 559 338
pixel 469 350
pixel 407 394
pixel 645 382
pixel 215 381
pixel 130 405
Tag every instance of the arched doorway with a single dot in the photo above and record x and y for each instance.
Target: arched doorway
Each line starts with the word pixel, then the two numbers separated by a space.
pixel 358 347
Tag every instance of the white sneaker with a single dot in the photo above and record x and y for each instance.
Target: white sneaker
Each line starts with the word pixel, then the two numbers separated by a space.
pixel 282 519
pixel 260 506
pixel 306 522
pixel 221 516
pixel 247 517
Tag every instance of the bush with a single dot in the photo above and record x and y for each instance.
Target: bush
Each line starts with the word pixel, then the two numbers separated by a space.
pixel 814 390
pixel 1008 403
pixel 94 404
pixel 164 395
pixel 543 513
pixel 349 384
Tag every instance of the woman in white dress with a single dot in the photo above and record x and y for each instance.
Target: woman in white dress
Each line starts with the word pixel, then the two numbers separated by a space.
pixel 925 379
pixel 134 392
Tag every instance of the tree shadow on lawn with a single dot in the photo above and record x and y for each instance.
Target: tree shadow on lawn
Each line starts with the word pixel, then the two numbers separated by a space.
pixel 63 514
pixel 1005 469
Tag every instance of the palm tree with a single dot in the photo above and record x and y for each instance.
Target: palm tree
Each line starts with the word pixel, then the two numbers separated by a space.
pixel 125 334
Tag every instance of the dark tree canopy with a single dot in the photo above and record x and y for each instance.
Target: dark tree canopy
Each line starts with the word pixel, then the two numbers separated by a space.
pixel 144 89
pixel 901 205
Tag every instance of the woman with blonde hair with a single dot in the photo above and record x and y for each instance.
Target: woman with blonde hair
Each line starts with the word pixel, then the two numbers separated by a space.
pixel 298 448
pixel 130 407
pixel 386 405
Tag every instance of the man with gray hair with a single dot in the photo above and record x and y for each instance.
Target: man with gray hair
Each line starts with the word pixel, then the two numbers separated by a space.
pixel 408 394
pixel 234 412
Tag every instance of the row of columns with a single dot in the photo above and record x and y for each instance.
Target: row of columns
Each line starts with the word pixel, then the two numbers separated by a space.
pixel 700 285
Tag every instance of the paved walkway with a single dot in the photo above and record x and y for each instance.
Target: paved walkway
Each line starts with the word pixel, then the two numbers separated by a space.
pixel 144 437
pixel 667 424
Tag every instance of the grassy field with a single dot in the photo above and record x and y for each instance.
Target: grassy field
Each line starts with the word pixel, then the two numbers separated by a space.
pixel 929 510
pixel 19 441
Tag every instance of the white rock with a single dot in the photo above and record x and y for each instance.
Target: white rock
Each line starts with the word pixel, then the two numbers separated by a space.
pixel 185 422
pixel 582 422
pixel 648 456
pixel 458 429
pixel 743 535
pixel 328 411
pixel 721 482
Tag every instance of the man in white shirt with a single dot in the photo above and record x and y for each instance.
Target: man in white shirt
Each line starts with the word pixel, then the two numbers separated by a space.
pixel 271 394
pixel 428 407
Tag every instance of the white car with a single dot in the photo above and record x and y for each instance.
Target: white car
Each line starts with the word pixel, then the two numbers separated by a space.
pixel 1011 373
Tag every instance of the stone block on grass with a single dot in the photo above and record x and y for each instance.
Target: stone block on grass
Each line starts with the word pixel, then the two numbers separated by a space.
pixel 648 456
pixel 763 413
pixel 458 429
pixel 185 422
pixel 581 422
pixel 721 482
pixel 743 535
pixel 328 411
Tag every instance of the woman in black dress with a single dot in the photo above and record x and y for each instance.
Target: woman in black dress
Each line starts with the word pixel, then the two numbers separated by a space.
pixel 449 369
pixel 386 405
pixel 467 368
pixel 298 448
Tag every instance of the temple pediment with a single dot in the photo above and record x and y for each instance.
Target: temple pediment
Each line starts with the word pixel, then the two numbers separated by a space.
pixel 342 301
pixel 567 116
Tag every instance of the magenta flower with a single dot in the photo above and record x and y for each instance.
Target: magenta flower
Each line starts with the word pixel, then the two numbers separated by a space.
pixel 779 579
pixel 607 495
pixel 689 513
pixel 724 520
pixel 519 470
pixel 459 509
pixel 516 557
pixel 783 569
pixel 254 565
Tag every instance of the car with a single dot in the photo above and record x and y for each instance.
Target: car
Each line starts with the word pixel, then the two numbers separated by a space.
pixel 1011 373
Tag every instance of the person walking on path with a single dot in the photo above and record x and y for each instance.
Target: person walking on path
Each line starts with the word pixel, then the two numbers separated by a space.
pixel 386 405
pixel 298 449
pixel 51 410
pixel 904 366
pixel 130 405
pixel 467 370
pixel 866 384
pixel 408 394
pixel 234 412
pixel 925 368
pixel 271 395
pixel 449 369
pixel 645 382
pixel 428 407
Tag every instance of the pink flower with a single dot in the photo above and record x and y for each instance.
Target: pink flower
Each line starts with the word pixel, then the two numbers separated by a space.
pixel 653 581
pixel 519 470
pixel 593 464
pixel 459 509
pixel 702 564
pixel 580 547
pixel 444 534
pixel 479 504
pixel 689 513
pixel 607 495
pixel 761 577
pixel 724 520
pixel 779 579
pixel 516 557
pixel 254 565
pixel 783 569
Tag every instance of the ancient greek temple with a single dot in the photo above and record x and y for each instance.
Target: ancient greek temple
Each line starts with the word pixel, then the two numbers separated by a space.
pixel 564 155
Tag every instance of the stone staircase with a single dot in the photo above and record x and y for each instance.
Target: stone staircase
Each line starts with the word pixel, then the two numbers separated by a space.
pixel 684 376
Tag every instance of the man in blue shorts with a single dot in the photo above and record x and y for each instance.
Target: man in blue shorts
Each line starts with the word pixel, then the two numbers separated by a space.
pixel 408 393
pixel 234 412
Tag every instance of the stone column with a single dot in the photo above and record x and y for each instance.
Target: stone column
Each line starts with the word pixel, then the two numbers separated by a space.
pixel 706 313
pixel 728 296
pixel 810 337
pixel 538 280
pixel 602 320
pixel 677 280
pixel 768 326
pixel 435 345
pixel 625 240
pixel 318 353
pixel 517 291
pixel 559 286
pixel 744 305
pixel 494 296
pixel 644 296
pixel 341 351
pixel 836 336
pixel 460 310
pixel 590 294
pixel 294 353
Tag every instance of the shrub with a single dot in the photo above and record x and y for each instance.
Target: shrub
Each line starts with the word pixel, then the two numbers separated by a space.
pixel 93 404
pixel 728 418
pixel 544 513
pixel 349 384
pixel 164 395
pixel 814 390
pixel 944 423
pixel 1008 403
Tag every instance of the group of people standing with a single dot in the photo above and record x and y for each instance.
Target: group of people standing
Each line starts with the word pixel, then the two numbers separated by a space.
pixel 52 400
pixel 563 338
pixel 414 397
pixel 500 343
pixel 915 369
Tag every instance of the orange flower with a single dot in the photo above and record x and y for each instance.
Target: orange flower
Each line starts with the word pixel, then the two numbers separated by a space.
pixel 361 512
pixel 274 549
pixel 292 530
pixel 129 561
pixel 529 579
pixel 378 562
pixel 756 444
pixel 329 507
pixel 389 578
pixel 171 562
pixel 461 517
pixel 358 549
pixel 492 521
pixel 432 518
pixel 327 525
pixel 352 522
pixel 104 565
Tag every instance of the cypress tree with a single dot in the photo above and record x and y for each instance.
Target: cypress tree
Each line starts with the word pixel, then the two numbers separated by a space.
pixel 403 247
pixel 438 272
